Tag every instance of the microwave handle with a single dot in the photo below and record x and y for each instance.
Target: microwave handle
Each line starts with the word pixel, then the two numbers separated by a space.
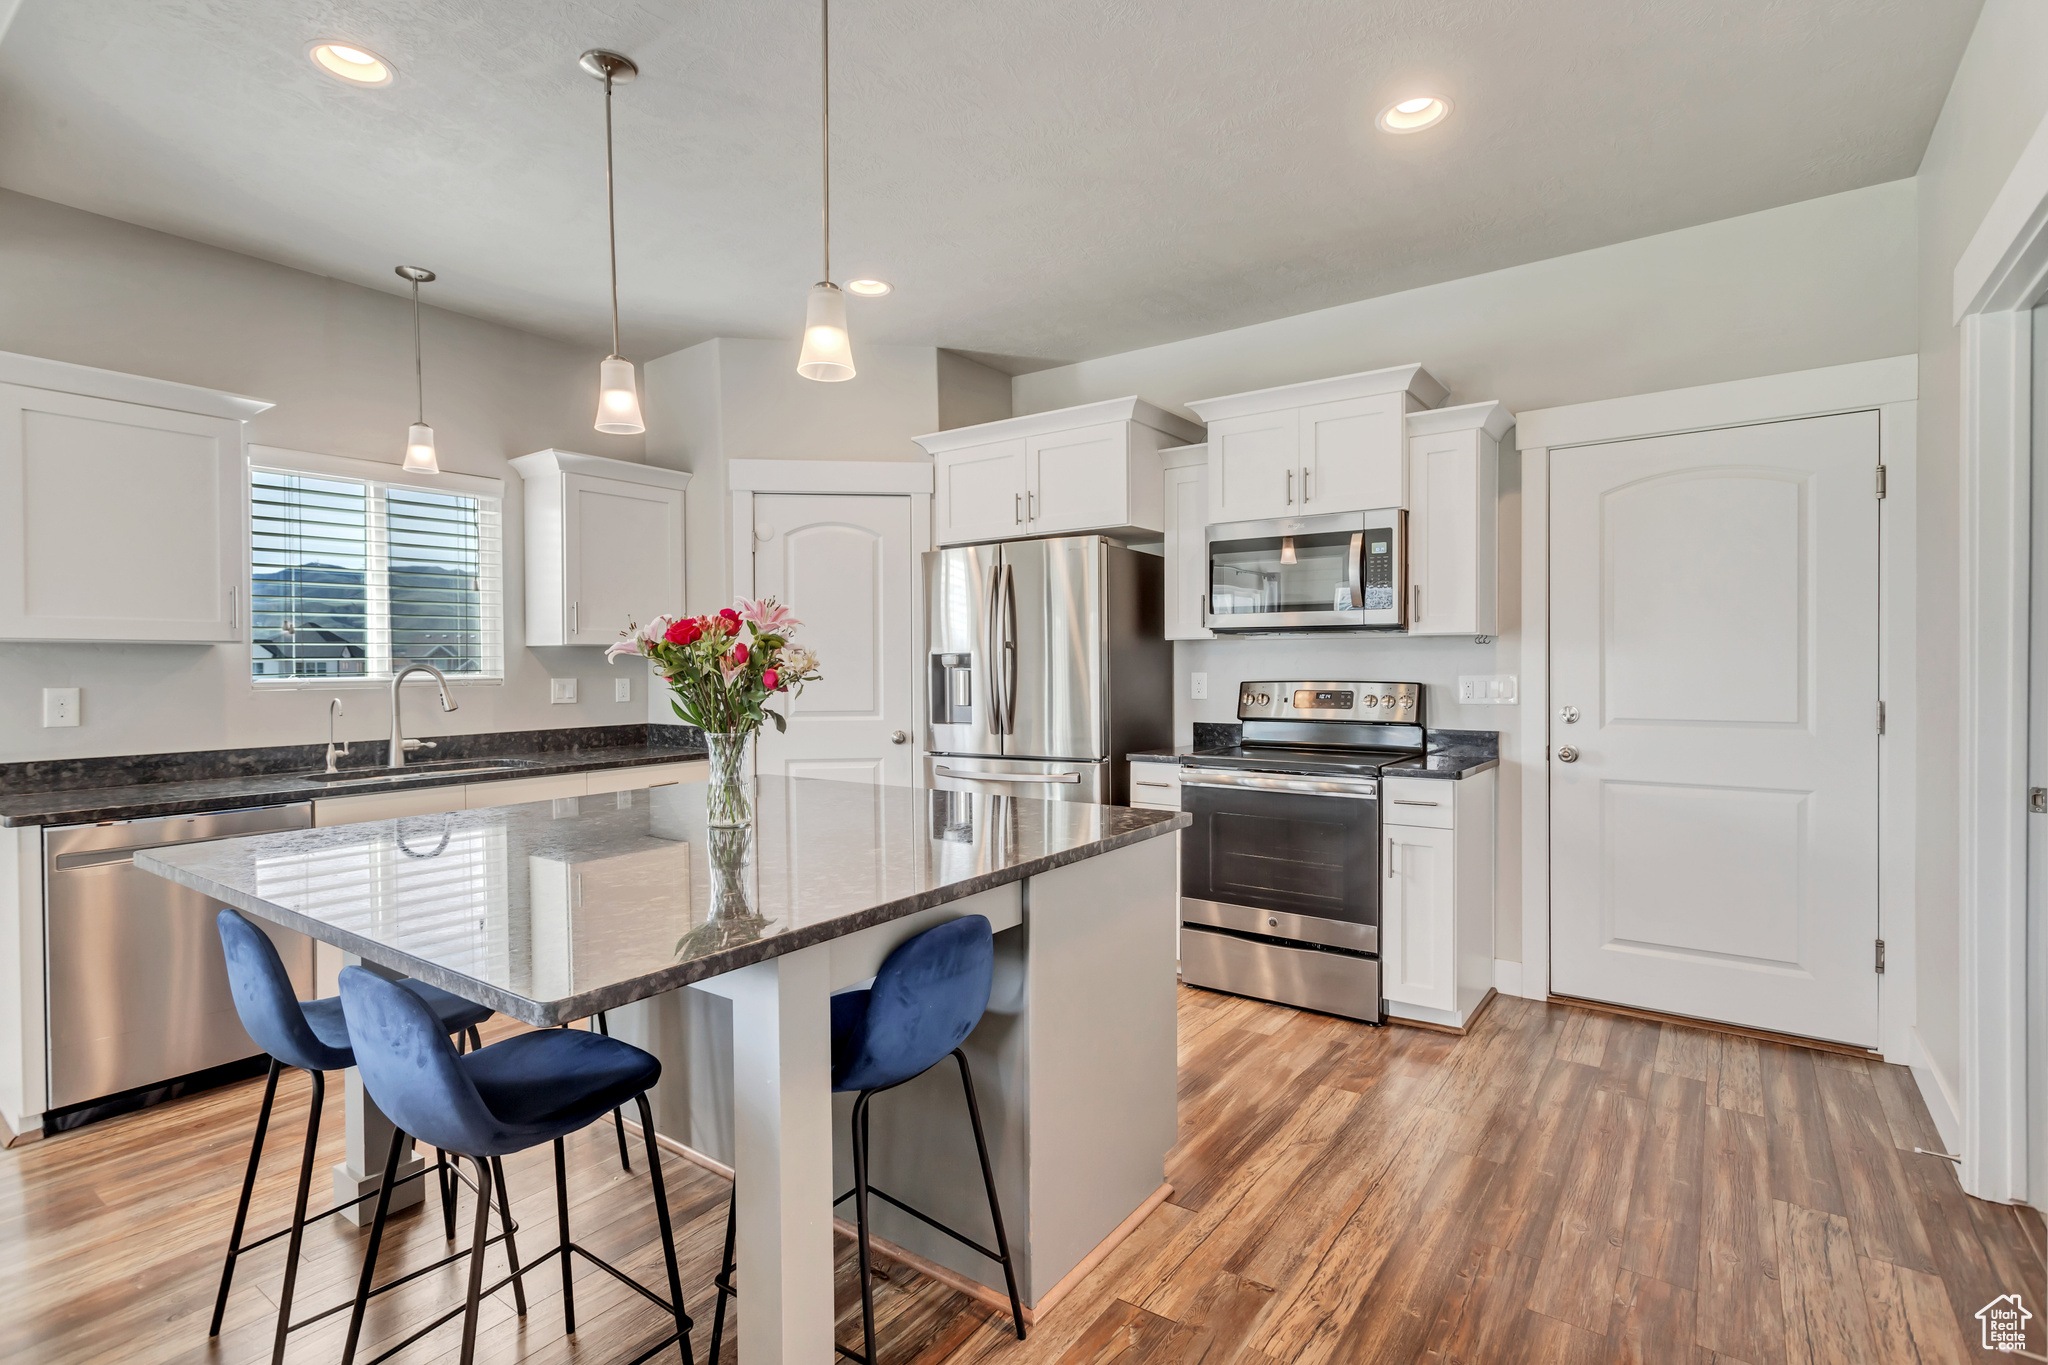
pixel 1357 570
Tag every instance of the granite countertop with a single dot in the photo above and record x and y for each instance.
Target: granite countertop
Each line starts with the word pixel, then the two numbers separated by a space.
pixel 1172 755
pixel 553 910
pixel 189 796
pixel 1451 763
pixel 1450 754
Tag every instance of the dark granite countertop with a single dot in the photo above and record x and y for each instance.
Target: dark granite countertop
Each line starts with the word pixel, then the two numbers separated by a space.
pixel 1172 755
pixel 1444 763
pixel 1449 755
pixel 187 784
pixel 480 902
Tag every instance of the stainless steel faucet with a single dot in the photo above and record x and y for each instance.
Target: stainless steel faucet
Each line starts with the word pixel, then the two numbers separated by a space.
pixel 334 750
pixel 400 745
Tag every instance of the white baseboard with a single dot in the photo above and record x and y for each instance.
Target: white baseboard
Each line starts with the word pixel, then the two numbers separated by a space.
pixel 1938 1094
pixel 1507 976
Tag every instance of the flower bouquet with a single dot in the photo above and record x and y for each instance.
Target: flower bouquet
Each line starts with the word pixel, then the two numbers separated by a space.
pixel 724 669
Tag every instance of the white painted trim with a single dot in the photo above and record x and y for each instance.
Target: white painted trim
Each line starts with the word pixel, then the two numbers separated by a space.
pixel 1535 688
pixel 828 476
pixel 2005 266
pixel 1937 1093
pixel 553 461
pixel 346 467
pixel 61 375
pixel 1898 782
pixel 1180 457
pixel 1769 398
pixel 1507 976
pixel 1997 394
pixel 1491 417
pixel 1413 380
pixel 742 542
pixel 1128 409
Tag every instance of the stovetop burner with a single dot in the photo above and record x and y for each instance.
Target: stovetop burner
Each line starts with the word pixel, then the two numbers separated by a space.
pixel 1343 729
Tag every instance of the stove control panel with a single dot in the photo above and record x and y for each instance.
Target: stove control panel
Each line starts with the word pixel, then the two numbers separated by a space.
pixel 1395 703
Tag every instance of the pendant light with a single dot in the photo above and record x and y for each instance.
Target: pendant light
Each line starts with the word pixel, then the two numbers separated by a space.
pixel 827 354
pixel 419 442
pixel 618 396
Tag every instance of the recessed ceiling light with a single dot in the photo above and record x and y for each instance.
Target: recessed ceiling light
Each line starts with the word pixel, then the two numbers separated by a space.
pixel 872 288
pixel 353 64
pixel 1412 116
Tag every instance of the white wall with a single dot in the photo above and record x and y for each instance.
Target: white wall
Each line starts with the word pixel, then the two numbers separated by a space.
pixel 336 359
pixel 1818 283
pixel 1998 99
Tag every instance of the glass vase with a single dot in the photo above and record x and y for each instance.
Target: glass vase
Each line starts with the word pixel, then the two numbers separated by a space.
pixel 728 795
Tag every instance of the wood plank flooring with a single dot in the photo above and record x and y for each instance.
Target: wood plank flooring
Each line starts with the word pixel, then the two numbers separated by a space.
pixel 1559 1186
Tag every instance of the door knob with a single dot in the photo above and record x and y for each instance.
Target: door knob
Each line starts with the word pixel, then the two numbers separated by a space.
pixel 1568 714
pixel 898 737
pixel 1567 754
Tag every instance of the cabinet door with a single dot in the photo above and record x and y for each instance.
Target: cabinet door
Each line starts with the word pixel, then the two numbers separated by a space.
pixel 520 790
pixel 1187 553
pixel 1078 480
pixel 1353 454
pixel 1418 923
pixel 1252 470
pixel 978 493
pixel 1450 569
pixel 643 776
pixel 119 521
pixel 622 549
pixel 356 810
pixel 1155 786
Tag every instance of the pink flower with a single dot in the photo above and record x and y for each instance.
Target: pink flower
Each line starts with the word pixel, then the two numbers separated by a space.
pixel 769 617
pixel 739 656
pixel 729 621
pixel 772 681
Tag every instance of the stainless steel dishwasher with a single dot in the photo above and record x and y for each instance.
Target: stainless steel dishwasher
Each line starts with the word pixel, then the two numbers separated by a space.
pixel 135 987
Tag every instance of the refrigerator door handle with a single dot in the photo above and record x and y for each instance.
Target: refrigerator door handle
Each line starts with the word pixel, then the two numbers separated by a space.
pixel 1009 651
pixel 1028 778
pixel 993 685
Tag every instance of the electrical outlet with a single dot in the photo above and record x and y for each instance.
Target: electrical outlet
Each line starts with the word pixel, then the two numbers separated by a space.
pixel 60 706
pixel 622 689
pixel 561 690
pixel 1487 690
pixel 1198 686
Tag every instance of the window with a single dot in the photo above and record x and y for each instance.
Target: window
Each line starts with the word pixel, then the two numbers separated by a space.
pixel 355 577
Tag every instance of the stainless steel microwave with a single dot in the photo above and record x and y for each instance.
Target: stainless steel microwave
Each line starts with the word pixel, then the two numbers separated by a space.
pixel 1343 571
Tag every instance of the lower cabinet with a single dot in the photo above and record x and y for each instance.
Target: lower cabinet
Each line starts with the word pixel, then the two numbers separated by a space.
pixel 1436 904
pixel 1156 786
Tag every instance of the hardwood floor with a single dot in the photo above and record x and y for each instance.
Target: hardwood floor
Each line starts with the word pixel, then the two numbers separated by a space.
pixel 1559 1186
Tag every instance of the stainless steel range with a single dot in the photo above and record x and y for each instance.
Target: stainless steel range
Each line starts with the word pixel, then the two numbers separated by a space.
pixel 1280 873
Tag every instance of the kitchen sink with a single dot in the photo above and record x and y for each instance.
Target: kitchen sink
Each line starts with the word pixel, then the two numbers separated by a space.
pixel 446 767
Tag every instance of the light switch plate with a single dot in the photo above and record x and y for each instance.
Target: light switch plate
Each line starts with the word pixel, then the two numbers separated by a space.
pixel 1496 689
pixel 1198 686
pixel 60 706
pixel 622 689
pixel 561 690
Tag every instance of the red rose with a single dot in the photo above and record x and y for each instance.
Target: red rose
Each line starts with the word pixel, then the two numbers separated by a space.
pixel 729 621
pixel 773 680
pixel 684 632
pixel 739 656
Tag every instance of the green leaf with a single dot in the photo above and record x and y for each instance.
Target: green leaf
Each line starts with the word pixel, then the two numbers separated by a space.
pixel 781 726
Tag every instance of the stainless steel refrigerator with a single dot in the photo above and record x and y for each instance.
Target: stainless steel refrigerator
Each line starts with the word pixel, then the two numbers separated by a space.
pixel 1048 663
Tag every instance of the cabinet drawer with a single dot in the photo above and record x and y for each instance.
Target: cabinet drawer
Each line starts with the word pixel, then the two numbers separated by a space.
pixel 522 789
pixel 356 810
pixel 1156 784
pixel 1418 801
pixel 635 778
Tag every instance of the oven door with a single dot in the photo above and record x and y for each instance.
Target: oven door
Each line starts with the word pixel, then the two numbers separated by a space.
pixel 1282 856
pixel 1345 571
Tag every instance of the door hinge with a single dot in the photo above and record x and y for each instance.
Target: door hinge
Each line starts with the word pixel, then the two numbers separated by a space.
pixel 1880 481
pixel 1880 717
pixel 1880 957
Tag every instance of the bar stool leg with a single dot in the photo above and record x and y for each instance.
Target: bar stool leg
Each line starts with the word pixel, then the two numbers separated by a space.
pixel 562 1222
pixel 448 1185
pixel 479 1239
pixel 227 1270
pixel 355 1318
pixel 618 1116
pixel 668 1237
pixel 291 1254
pixel 860 1213
pixel 988 1180
pixel 723 1284
pixel 511 1241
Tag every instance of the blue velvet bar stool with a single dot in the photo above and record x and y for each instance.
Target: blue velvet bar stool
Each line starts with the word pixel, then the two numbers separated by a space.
pixel 312 1036
pixel 529 1089
pixel 928 996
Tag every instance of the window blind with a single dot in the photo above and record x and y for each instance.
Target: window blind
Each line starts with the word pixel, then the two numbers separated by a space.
pixel 357 578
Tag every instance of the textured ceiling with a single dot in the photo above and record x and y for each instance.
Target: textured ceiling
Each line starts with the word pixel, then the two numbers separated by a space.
pixel 1043 180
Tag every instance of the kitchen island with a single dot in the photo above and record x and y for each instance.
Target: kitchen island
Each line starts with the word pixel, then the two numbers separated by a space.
pixel 551 911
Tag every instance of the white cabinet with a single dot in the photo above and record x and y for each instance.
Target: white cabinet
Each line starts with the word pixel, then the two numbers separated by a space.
pixel 1091 468
pixel 1436 903
pixel 1330 445
pixel 1155 786
pixel 121 507
pixel 604 546
pixel 1186 504
pixel 1453 489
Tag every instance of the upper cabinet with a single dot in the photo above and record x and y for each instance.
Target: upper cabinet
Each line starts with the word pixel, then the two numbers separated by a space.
pixel 1330 445
pixel 1091 468
pixel 604 546
pixel 1453 492
pixel 121 507
pixel 1186 502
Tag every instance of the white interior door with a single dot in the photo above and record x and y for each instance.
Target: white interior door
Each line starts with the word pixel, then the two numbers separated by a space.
pixel 1713 607
pixel 842 563
pixel 2037 780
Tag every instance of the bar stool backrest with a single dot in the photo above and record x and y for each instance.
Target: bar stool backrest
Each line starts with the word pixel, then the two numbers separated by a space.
pixel 267 1002
pixel 411 1069
pixel 928 996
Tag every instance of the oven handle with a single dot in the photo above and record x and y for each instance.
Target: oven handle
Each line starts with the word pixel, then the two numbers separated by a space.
pixel 1354 789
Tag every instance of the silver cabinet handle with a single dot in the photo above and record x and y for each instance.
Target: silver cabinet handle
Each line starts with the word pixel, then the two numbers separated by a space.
pixel 1390 857
pixel 1069 778
pixel 1290 488
pixel 572 617
pixel 1402 801
pixel 1017 507
pixel 1304 485
pixel 1163 786
pixel 898 737
pixel 234 615
pixel 1415 598
pixel 1030 506
pixel 1567 754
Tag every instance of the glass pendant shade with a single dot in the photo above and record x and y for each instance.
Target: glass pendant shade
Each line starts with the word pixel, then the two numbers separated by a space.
pixel 828 353
pixel 419 450
pixel 618 399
